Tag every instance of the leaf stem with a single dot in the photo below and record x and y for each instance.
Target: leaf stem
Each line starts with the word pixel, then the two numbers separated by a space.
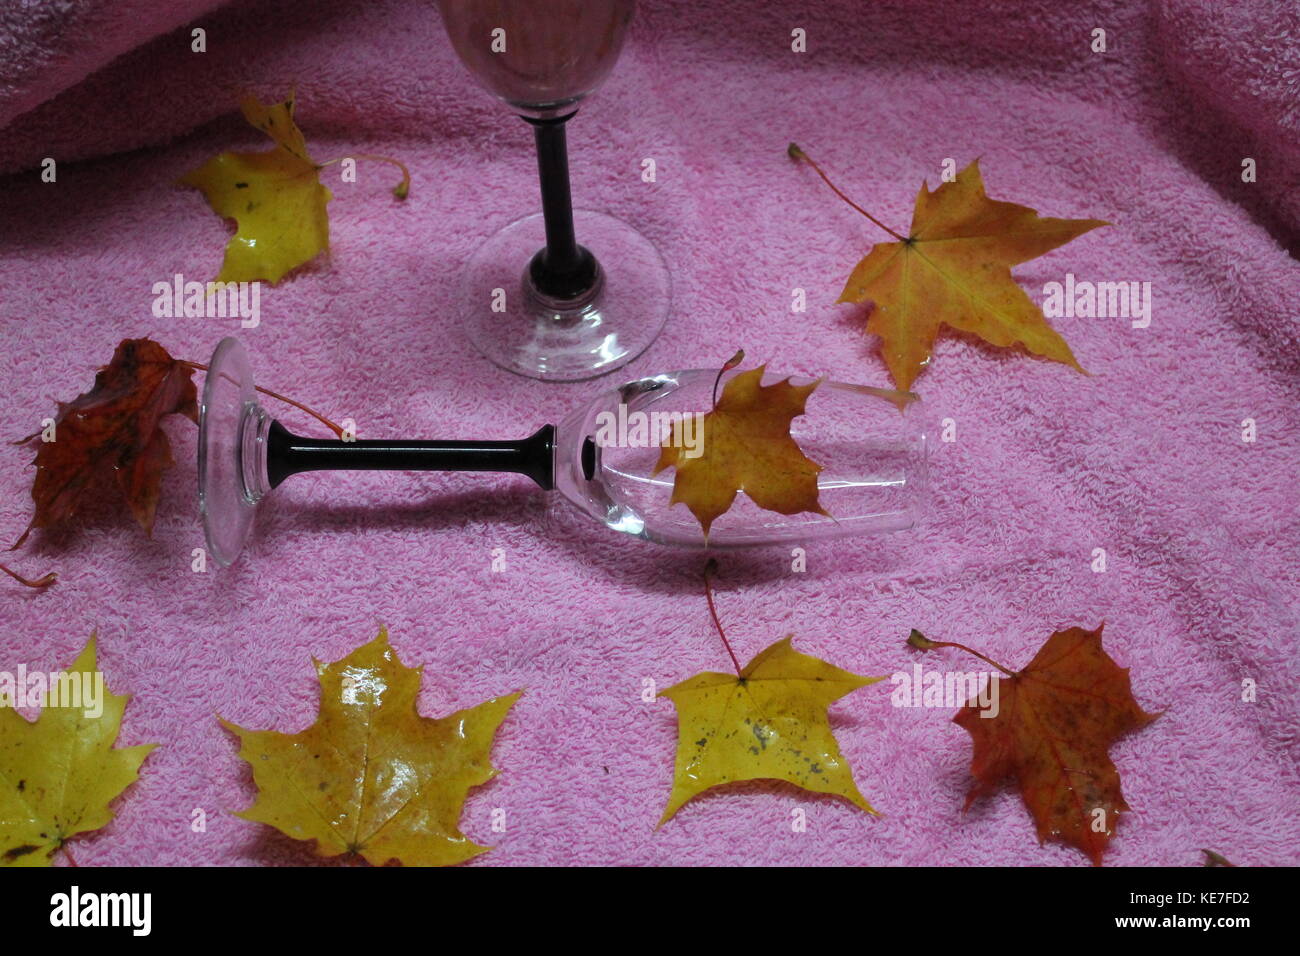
pixel 798 154
pixel 44 581
pixel 922 643
pixel 730 364
pixel 709 569
pixel 336 429
pixel 401 190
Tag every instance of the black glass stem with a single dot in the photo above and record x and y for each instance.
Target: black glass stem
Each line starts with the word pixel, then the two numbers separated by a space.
pixel 288 454
pixel 563 269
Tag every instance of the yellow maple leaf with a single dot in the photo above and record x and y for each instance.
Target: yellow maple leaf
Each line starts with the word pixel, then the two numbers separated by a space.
pixel 59 773
pixel 954 268
pixel 275 196
pixel 768 723
pixel 745 445
pixel 371 776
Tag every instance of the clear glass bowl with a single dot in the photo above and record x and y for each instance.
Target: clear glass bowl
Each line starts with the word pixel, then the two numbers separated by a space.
pixel 873 453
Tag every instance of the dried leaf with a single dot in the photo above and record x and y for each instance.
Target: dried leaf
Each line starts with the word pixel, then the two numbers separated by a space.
pixel 770 722
pixel 371 776
pixel 745 445
pixel 113 433
pixel 59 774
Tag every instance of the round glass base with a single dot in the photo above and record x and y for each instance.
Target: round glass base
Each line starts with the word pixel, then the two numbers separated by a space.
pixel 228 418
pixel 525 332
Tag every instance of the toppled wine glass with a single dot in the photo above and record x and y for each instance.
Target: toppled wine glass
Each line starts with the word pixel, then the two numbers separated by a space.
pixel 602 457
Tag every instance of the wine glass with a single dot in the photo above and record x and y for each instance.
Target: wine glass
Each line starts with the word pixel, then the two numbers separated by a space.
pixel 532 299
pixel 871 445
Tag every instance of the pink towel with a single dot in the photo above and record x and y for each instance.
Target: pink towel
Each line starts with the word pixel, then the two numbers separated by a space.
pixel 1144 458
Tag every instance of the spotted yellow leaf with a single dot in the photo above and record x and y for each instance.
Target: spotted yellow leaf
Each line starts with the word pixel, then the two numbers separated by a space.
pixel 275 196
pixel 59 773
pixel 767 723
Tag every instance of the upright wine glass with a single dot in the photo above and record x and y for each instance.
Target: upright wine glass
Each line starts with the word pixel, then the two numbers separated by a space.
pixel 871 447
pixel 534 299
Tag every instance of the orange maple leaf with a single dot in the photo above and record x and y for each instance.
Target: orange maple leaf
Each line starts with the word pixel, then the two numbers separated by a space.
pixel 954 268
pixel 745 445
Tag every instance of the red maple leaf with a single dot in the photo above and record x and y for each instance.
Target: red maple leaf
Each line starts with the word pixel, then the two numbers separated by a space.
pixel 112 433
pixel 1052 732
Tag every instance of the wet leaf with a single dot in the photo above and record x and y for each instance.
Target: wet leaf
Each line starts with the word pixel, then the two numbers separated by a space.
pixel 59 774
pixel 1055 723
pixel 275 196
pixel 768 723
pixel 113 434
pixel 745 445
pixel 371 776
